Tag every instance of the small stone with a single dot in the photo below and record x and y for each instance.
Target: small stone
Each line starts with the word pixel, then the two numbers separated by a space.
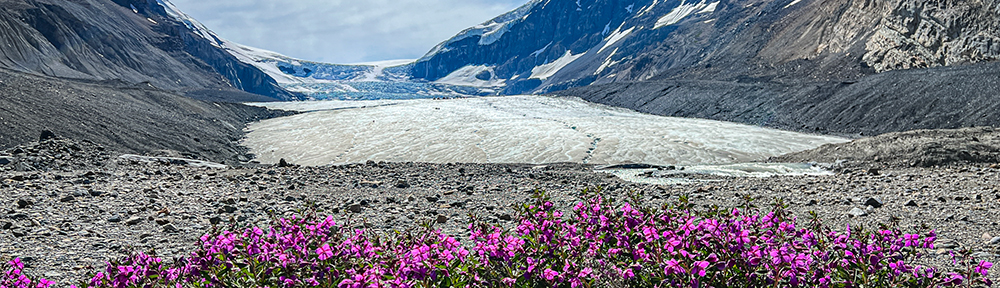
pixel 873 171
pixel 912 203
pixel 983 255
pixel 995 166
pixel 283 163
pixel 432 199
pixel 22 203
pixel 942 199
pixel 506 217
pixel 133 221
pixel 986 236
pixel 874 202
pixel 46 135
pixel 19 233
pixel 162 221
pixel 290 198
pixel 80 193
pixel 355 208
pixel 115 219
pixel 215 220
pixel 67 199
pixel 402 184
pixel 6 225
pixel 229 209
pixel 812 202
pixel 441 219
pixel 5 161
pixel 946 243
pixel 169 228
pixel 96 193
pixel 857 212
pixel 994 241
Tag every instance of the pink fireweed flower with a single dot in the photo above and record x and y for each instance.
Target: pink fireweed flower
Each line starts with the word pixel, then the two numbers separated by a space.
pixel 700 268
pixel 324 252
pixel 984 268
pixel 673 266
pixel 550 274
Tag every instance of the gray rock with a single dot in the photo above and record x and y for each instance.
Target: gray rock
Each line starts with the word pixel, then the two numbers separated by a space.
pixel 994 241
pixel 24 203
pixel 169 228
pixel 5 160
pixel 354 208
pixel 983 255
pixel 6 225
pixel 912 203
pixel 506 217
pixel 946 243
pixel 19 233
pixel 874 202
pixel 46 135
pixel 441 219
pixel 432 199
pixel 857 212
pixel 215 220
pixel 229 209
pixel 162 221
pixel 133 221
pixel 115 219
pixel 67 199
pixel 402 184
pixel 23 167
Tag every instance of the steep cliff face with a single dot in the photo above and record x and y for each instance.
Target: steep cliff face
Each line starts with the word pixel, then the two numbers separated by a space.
pixel 130 40
pixel 550 45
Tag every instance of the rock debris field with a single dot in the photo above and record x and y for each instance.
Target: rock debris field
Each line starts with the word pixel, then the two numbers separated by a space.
pixel 68 207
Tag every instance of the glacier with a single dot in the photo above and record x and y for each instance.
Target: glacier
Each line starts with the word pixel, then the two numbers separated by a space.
pixel 512 129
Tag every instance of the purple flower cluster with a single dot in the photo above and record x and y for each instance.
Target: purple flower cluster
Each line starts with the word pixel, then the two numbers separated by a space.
pixel 598 244
pixel 12 276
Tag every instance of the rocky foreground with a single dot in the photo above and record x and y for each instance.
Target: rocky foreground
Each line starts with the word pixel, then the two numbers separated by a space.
pixel 68 207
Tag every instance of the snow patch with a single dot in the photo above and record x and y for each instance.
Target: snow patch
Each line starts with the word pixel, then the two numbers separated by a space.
pixel 710 8
pixel 615 37
pixel 467 76
pixel 548 70
pixel 679 13
pixel 489 32
pixel 540 51
pixel 607 63
pixel 791 4
pixel 649 8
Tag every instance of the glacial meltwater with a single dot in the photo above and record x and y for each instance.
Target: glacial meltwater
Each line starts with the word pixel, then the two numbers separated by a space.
pixel 514 129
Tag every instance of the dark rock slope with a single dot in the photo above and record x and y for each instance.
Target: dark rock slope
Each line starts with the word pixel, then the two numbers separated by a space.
pixel 122 117
pixel 841 66
pixel 134 41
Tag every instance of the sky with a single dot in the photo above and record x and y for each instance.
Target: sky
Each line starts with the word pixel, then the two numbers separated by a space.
pixel 343 31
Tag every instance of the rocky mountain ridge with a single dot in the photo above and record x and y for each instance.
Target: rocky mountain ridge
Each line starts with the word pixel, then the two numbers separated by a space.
pixel 134 41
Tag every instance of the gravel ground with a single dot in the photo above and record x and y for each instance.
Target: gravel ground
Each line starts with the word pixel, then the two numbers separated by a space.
pixel 67 215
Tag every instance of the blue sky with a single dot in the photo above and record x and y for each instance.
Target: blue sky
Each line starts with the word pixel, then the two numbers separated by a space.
pixel 343 31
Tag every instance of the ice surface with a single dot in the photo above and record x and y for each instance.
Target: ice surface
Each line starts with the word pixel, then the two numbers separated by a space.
pixel 515 129
pixel 729 170
pixel 547 70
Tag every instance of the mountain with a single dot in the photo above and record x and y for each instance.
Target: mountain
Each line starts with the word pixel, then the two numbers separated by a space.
pixel 125 74
pixel 855 67
pixel 134 41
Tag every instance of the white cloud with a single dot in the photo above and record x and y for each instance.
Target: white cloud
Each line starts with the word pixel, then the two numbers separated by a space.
pixel 343 31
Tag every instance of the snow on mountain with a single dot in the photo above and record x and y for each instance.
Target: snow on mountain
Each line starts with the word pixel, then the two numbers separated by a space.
pixel 547 70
